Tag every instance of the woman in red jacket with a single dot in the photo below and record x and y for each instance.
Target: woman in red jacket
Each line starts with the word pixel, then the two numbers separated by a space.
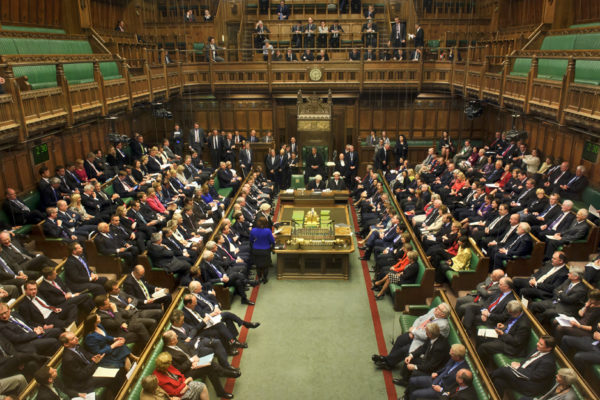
pixel 154 202
pixel 175 383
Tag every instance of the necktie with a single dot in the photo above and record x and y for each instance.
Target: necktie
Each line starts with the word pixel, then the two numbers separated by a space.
pixel 81 260
pixel 508 233
pixel 80 354
pixel 573 179
pixel 21 324
pixel 494 222
pixel 53 283
pixel 6 267
pixel 143 287
pixel 75 177
pixel 43 304
pixel 548 274
pixel 560 176
pixel 215 143
pixel 495 303
pixel 219 274
pixel 557 221
pixel 3 353
pixel 21 205
pixel 531 359
pixel 550 207
pixel 424 323
pixel 141 218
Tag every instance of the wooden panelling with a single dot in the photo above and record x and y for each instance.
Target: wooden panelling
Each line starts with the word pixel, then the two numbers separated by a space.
pixel 31 12
pixel 521 12
pixel 586 11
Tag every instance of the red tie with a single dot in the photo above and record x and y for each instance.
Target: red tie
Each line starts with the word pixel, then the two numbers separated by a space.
pixel 43 304
pixel 491 306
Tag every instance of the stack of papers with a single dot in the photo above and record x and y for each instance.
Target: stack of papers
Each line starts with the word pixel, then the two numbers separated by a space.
pixel 159 293
pixel 487 333
pixel 564 320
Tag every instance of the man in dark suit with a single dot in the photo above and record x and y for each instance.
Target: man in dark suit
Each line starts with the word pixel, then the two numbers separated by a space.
pixel 37 311
pixel 206 326
pixel 53 228
pixel 73 223
pixel 351 158
pixel 283 11
pixel 464 387
pixel 563 220
pixel 17 212
pixel 78 367
pixel 547 214
pixel 78 274
pixel 483 291
pixel 110 245
pixel 215 145
pixel 51 194
pixel 122 187
pixel 163 257
pixel 520 246
pixel 419 36
pixel 226 178
pixel 525 197
pixel 129 304
pixel 336 183
pixel 134 329
pixel 557 177
pixel 196 138
pixel 13 362
pixel 49 387
pixel 575 185
pixel 137 287
pixel 57 294
pixel 185 359
pixel 382 159
pixel 578 230
pixel 212 273
pixel 310 30
pixel 314 164
pixel 316 184
pixel 542 283
pixel 493 310
pixel 92 171
pixel 66 186
pixel 397 37
pixel 138 147
pixel 15 253
pixel 144 223
pixel 513 335
pixel 246 158
pixel 567 298
pixel 177 138
pixel 27 339
pixel 297 30
pixel 535 373
pixel 427 358
pixel 428 386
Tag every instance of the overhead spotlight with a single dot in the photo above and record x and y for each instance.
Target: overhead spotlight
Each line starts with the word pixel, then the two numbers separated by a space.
pixel 473 109
pixel 115 138
pixel 160 112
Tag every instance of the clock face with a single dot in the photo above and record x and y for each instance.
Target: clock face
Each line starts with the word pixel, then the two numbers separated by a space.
pixel 315 74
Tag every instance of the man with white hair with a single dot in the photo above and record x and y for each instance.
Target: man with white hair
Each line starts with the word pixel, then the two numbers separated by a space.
pixel 521 246
pixel 578 230
pixel 415 337
pixel 575 185
pixel 212 273
pixel 317 183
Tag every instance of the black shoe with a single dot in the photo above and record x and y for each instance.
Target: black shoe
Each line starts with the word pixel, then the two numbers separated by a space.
pixel 253 283
pixel 383 365
pixel 375 287
pixel 239 344
pixel 233 352
pixel 246 301
pixel 251 325
pixel 400 382
pixel 231 373
pixel 377 358
pixel 225 396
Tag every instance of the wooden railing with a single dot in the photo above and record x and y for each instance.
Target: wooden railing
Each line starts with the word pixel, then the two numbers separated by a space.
pixel 488 78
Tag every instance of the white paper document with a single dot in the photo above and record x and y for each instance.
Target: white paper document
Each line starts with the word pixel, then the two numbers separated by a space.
pixel 103 372
pixel 564 320
pixel 487 333
pixel 159 293
pixel 131 371
pixel 205 360
pixel 213 320
pixel 88 396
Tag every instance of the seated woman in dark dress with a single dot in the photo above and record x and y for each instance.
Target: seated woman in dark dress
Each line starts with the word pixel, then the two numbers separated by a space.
pixel 97 341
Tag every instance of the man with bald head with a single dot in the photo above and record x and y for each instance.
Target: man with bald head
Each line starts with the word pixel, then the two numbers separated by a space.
pixel 110 245
pixel 137 287
pixel 15 252
pixel 19 213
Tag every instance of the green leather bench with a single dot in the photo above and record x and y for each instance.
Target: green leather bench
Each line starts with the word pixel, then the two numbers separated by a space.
pixel 552 69
pixel 225 192
pixel 110 70
pixel 467 279
pixel 524 266
pixel 199 50
pixel 34 29
pixel 521 67
pixel 587 41
pixel 32 200
pixel 589 196
pixel 559 42
pixel 590 24
pixel 586 72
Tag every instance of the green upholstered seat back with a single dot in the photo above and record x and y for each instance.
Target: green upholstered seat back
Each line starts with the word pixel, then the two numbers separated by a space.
pixel 587 72
pixel 521 67
pixel 559 42
pixel 421 271
pixel 35 29
pixel 474 260
pixel 110 70
pixel 588 41
pixel 552 69
pixel 323 151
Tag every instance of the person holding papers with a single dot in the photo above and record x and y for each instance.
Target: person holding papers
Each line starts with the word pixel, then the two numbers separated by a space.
pixel 508 337
pixel 172 381
pixel 97 341
pixel 534 376
pixel 583 323
pixel 148 296
pixel 186 361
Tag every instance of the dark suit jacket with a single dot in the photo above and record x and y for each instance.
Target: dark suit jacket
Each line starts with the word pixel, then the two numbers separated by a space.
pixel 576 231
pixel 209 275
pixel 181 361
pixel 393 32
pixel 499 313
pixel 551 282
pixel 75 271
pixel 14 334
pixel 131 287
pixel 106 245
pixel 466 394
pixel 521 247
pixel 381 156
pixel 420 38
pixel 571 301
pixel 52 295
pixel 516 339
pixel 541 370
pixel 312 185
pixel 410 274
pixel 138 150
pixel 430 357
pixel 30 313
pixel 447 378
pixel 16 215
pixel 191 321
pixel 76 373
pixel 160 255
pixel 340 185
pixel 244 158
pixel 49 196
pixel 51 229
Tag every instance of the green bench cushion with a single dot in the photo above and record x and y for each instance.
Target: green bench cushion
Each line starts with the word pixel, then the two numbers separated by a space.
pixel 36 29
pixel 588 41
pixel 552 69
pixel 590 24
pixel 38 76
pixel 586 72
pixel 559 42
pixel 79 73
pixel 521 67
pixel 110 70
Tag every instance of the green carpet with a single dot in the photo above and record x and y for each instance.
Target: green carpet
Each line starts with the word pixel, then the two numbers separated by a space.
pixel 315 341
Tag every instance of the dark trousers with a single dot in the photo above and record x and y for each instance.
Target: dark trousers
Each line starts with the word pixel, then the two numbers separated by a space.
pixel 399 350
pixel 505 378
pixel 586 354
